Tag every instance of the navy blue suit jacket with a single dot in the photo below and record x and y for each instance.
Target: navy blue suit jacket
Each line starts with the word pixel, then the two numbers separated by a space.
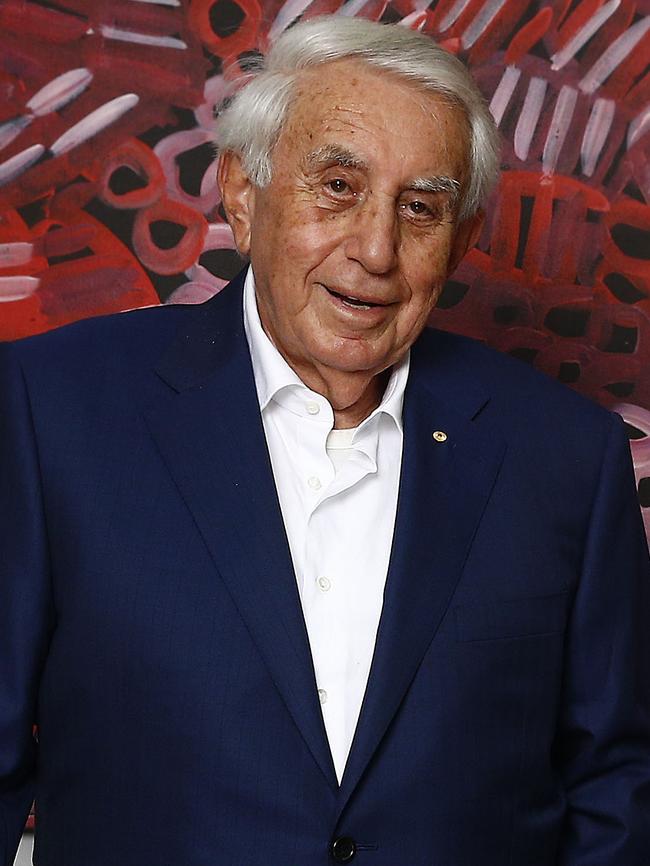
pixel 150 622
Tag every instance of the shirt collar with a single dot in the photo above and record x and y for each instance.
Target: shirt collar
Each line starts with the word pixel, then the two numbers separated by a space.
pixel 273 374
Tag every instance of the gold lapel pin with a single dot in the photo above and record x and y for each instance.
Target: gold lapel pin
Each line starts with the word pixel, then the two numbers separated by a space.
pixel 439 436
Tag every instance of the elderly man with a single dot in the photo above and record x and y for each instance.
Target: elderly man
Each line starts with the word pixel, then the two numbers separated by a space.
pixel 288 579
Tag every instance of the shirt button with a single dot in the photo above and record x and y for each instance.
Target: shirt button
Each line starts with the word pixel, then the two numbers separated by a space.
pixel 322 696
pixel 313 408
pixel 324 583
pixel 314 482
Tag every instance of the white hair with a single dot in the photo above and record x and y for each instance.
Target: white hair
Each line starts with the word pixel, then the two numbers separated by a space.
pixel 252 121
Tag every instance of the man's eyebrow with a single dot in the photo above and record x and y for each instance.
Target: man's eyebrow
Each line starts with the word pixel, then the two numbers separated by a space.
pixel 329 154
pixel 436 183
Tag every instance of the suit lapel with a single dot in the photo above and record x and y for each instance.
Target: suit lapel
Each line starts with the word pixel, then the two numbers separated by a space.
pixel 209 432
pixel 444 488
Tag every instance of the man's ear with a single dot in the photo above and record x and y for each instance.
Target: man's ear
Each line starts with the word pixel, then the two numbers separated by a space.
pixel 238 198
pixel 467 234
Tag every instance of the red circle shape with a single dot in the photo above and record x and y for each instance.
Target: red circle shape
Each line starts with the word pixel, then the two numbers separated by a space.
pixel 187 250
pixel 243 39
pixel 143 161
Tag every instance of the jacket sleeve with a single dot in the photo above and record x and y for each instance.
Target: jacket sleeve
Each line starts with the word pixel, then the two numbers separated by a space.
pixel 26 615
pixel 603 745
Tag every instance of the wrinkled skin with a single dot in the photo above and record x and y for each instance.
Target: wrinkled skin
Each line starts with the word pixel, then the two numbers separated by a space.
pixel 349 259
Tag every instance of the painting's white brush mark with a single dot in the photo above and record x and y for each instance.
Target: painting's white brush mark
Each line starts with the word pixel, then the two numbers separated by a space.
pixel 595 135
pixel 529 116
pixel 453 15
pixel 16 288
pixel 94 122
pixel 557 131
pixel 141 38
pixel 503 93
pixel 11 129
pixel 562 57
pixel 415 20
pixel 288 13
pixel 639 126
pixel 482 21
pixel 19 163
pixel 352 8
pixel 159 2
pixel 58 92
pixel 15 253
pixel 615 54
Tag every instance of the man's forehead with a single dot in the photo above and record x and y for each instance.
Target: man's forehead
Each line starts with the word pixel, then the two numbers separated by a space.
pixel 348 113
pixel 352 85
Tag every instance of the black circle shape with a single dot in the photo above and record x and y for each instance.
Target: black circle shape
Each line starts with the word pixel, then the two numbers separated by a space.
pixel 343 849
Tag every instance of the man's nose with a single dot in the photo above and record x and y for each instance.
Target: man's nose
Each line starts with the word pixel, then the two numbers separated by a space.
pixel 373 239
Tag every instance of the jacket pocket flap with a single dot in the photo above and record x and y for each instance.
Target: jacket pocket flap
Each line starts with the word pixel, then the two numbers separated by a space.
pixel 508 618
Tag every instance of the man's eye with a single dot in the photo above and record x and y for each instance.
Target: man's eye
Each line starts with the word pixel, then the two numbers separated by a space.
pixel 418 208
pixel 338 185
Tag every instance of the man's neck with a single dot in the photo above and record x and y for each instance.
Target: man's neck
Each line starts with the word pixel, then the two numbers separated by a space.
pixel 352 396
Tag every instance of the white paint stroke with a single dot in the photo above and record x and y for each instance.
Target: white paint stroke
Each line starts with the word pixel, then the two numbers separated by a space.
pixel 350 9
pixel 159 2
pixel 595 135
pixel 17 288
pixel 481 22
pixel 562 57
pixel 15 253
pixel 121 35
pixel 414 20
pixel 529 116
pixel 615 54
pixel 60 91
pixel 502 95
pixel 639 126
pixel 11 129
pixel 288 13
pixel 94 122
pixel 453 15
pixel 19 163
pixel 559 127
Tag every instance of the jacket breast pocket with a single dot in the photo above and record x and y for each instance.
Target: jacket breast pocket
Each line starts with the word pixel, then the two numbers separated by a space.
pixel 511 618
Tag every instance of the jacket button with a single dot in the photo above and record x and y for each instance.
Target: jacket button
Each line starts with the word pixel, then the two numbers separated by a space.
pixel 343 849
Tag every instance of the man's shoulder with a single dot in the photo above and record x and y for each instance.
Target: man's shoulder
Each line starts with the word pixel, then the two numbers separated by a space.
pixel 120 336
pixel 519 395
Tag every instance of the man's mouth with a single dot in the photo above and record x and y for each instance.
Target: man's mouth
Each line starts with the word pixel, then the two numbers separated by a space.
pixel 352 301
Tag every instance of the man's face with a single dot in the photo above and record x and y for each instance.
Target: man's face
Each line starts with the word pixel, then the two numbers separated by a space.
pixel 353 238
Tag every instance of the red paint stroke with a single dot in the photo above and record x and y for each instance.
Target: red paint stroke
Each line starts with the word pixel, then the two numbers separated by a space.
pixel 439 13
pixel 632 213
pixel 466 17
pixel 529 35
pixel 623 78
pixel 639 95
pixel 453 45
pixel 226 47
pixel 497 31
pixel 328 7
pixel 188 249
pixel 91 287
pixel 583 12
pixel 32 21
pixel 140 17
pixel 142 160
pixel 616 24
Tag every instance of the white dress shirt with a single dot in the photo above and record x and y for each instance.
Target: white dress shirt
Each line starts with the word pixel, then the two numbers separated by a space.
pixel 338 496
